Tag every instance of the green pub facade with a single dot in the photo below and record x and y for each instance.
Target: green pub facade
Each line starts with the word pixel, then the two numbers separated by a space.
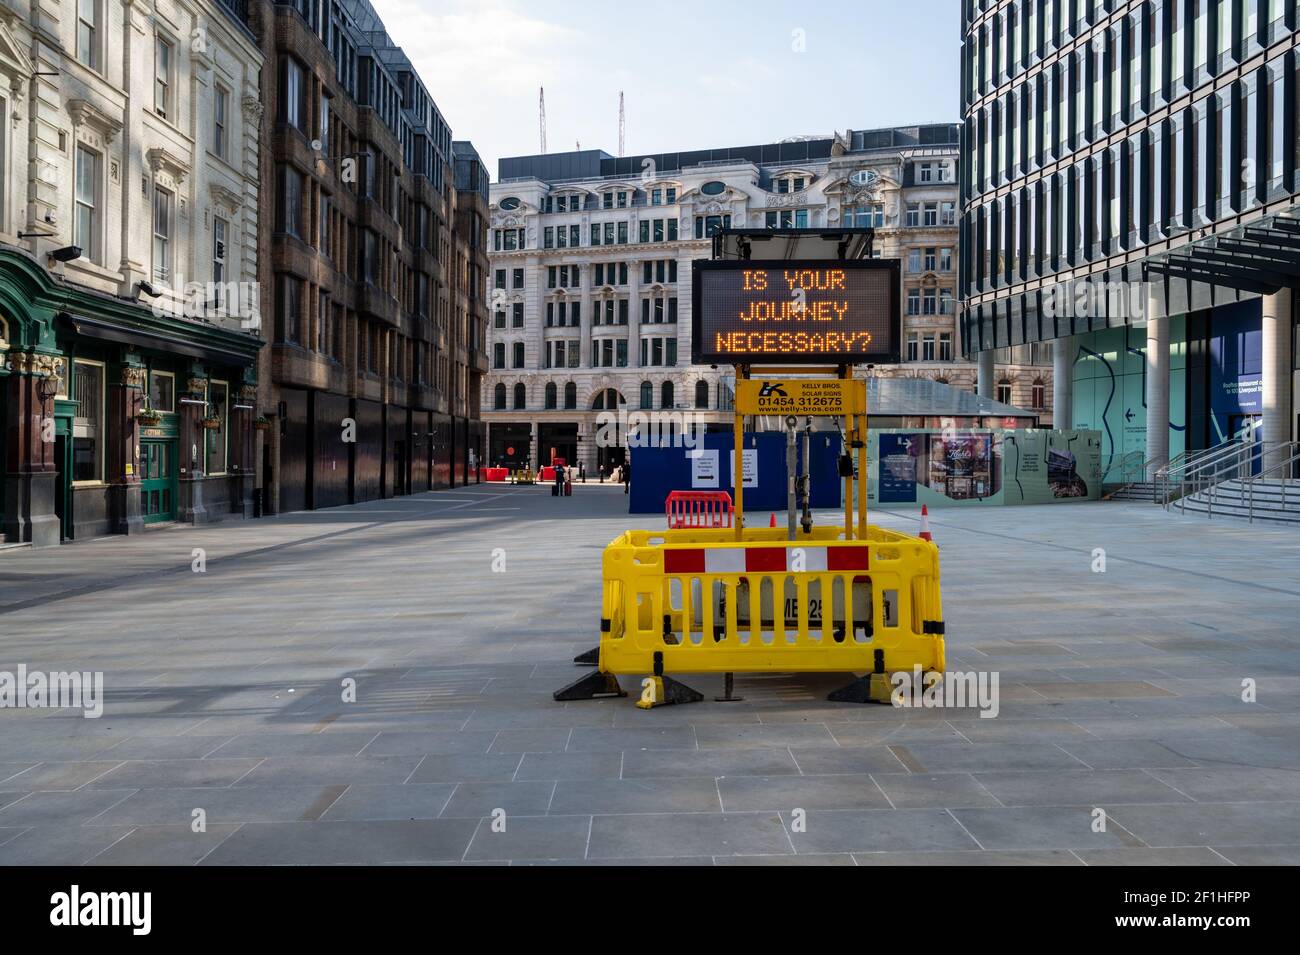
pixel 116 415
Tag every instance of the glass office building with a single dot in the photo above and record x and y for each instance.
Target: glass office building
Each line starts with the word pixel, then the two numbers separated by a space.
pixel 1129 179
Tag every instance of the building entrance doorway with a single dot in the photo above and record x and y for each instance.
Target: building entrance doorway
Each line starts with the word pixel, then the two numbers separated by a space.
pixel 158 481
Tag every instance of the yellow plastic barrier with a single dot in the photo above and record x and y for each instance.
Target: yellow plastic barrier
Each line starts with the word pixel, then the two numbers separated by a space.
pixel 701 601
pixel 523 476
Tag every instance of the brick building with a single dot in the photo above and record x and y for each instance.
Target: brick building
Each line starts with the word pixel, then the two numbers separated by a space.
pixel 373 267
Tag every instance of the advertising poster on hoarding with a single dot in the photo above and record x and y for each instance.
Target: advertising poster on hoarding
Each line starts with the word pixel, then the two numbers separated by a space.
pixel 976 466
pixel 898 466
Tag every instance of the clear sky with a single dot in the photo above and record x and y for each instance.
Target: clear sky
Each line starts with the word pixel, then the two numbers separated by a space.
pixel 695 75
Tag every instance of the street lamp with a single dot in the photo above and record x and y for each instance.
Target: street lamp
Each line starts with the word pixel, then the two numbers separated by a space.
pixel 47 386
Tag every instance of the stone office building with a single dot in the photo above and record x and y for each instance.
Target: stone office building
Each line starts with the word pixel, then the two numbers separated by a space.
pixel 128 224
pixel 591 270
pixel 373 265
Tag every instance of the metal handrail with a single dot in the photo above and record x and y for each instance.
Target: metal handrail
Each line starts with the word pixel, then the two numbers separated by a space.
pixel 1235 462
pixel 1289 464
pixel 1189 467
pixel 1122 463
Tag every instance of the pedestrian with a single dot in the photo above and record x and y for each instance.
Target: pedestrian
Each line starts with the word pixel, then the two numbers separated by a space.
pixel 559 480
pixel 627 475
pixel 582 472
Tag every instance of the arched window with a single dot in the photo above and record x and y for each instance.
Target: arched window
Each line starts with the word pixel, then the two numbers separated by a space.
pixel 647 395
pixel 520 397
pixel 609 398
pixel 499 398
pixel 1004 391
pixel 570 396
pixel 666 395
pixel 550 396
pixel 701 394
pixel 499 355
pixel 519 354
pixel 1038 395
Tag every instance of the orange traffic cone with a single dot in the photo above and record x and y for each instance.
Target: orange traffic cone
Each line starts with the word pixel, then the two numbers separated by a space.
pixel 772 522
pixel 925 524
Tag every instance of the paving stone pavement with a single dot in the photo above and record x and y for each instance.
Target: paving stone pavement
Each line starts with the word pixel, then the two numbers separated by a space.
pixel 1120 691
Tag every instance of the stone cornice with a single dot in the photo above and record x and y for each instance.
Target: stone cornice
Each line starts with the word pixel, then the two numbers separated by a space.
pixel 86 113
pixel 225 198
pixel 160 160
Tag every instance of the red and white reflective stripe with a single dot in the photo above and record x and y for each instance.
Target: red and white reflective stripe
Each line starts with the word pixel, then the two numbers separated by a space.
pixel 758 560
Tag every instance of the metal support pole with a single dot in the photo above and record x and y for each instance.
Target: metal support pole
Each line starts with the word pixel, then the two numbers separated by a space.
pixel 791 466
pixel 738 472
pixel 805 479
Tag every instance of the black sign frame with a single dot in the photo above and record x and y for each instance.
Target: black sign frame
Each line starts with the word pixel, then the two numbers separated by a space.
pixel 891 354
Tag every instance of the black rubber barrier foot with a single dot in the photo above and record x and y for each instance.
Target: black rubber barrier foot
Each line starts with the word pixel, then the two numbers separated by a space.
pixel 667 691
pixel 588 658
pixel 872 688
pixel 590 687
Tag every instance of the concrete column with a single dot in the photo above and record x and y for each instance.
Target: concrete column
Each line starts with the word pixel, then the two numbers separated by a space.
pixel 1064 351
pixel 1157 359
pixel 1275 421
pixel 985 386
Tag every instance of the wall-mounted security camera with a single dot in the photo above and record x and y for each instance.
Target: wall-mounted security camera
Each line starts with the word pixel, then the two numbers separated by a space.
pixel 66 254
pixel 144 288
pixel 51 218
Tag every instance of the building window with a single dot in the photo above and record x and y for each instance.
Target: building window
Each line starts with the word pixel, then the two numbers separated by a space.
pixel 570 389
pixel 218 408
pixel 647 395
pixel 1004 391
pixel 162 72
pixel 85 226
pixel 551 396
pixel 88 424
pixel 521 396
pixel 219 108
pixel 945 346
pixel 518 354
pixel 288 317
pixel 913 342
pixel 162 391
pixel 290 208
pixel 88 33
pixel 499 398
pixel 666 395
pixel 499 355
pixel 1038 395
pixel 913 301
pixel 293 96
pixel 219 256
pixel 162 235
pixel 701 394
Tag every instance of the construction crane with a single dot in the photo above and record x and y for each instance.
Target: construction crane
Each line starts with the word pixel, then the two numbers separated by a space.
pixel 541 113
pixel 621 125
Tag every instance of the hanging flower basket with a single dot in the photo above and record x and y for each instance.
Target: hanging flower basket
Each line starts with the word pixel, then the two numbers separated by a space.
pixel 211 424
pixel 262 423
pixel 148 418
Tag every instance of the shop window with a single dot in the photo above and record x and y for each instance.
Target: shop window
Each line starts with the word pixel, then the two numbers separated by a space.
pixel 162 391
pixel 216 440
pixel 88 425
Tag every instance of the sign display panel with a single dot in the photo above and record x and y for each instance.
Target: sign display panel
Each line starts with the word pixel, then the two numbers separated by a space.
pixel 825 311
pixel 825 396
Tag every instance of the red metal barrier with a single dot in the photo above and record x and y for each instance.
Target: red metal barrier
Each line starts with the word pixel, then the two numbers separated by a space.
pixel 699 509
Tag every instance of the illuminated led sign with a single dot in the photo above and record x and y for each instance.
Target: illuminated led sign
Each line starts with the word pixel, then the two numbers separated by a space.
pixel 835 312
